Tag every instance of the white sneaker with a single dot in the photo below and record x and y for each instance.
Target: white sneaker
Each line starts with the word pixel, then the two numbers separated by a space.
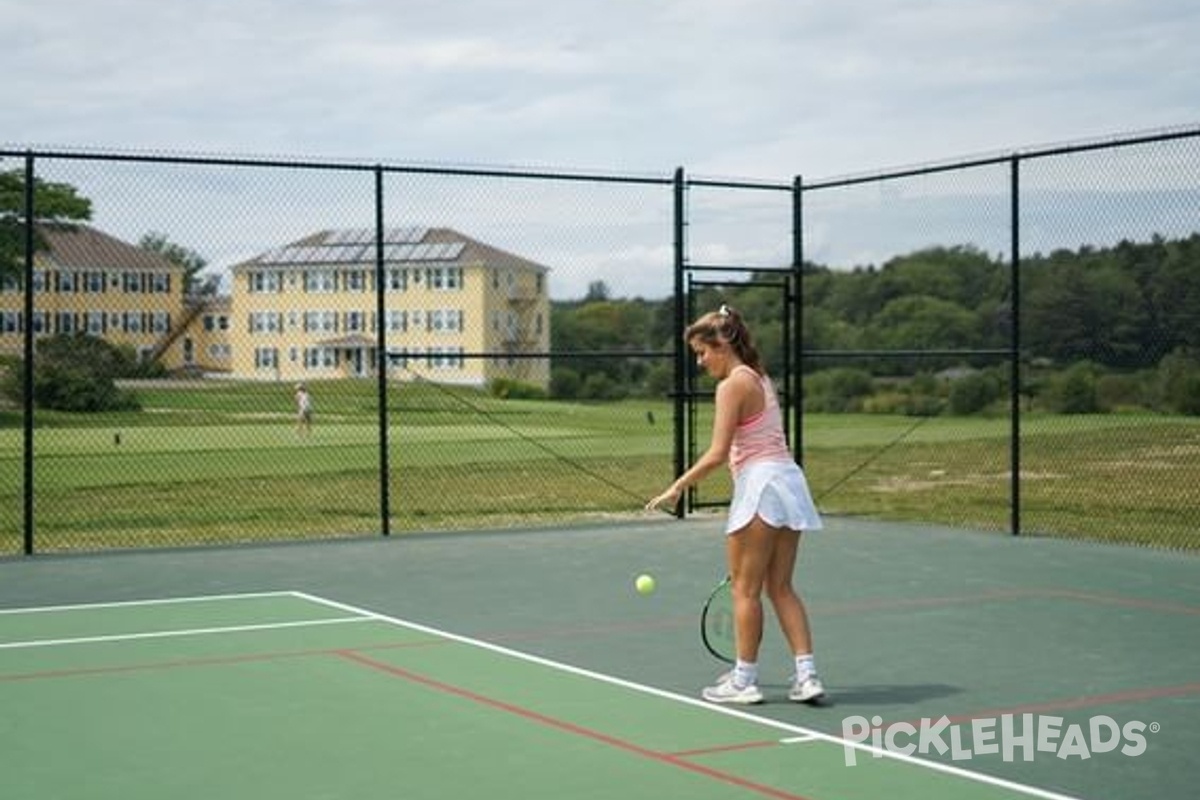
pixel 727 692
pixel 809 690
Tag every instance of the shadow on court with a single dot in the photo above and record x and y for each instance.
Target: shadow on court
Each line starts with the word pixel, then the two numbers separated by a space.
pixel 911 625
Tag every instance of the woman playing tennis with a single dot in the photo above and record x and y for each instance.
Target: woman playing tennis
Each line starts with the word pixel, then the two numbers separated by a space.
pixel 771 506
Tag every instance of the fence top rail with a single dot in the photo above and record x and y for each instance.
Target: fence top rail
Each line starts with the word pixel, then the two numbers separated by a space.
pixel 1106 143
pixel 346 165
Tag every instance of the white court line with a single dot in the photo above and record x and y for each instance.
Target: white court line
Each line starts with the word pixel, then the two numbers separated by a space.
pixel 125 637
pixel 159 602
pixel 808 733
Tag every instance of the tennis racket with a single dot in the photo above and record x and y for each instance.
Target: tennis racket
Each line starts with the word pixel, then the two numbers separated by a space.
pixel 716 623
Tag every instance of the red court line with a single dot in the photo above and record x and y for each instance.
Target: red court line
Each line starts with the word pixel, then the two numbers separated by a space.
pixel 569 727
pixel 726 748
pixel 889 603
pixel 1121 600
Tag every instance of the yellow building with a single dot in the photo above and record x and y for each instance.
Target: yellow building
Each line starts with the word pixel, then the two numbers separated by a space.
pixel 308 310
pixel 85 281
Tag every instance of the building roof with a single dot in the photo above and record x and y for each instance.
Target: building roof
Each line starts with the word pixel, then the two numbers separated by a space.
pixel 401 245
pixel 74 246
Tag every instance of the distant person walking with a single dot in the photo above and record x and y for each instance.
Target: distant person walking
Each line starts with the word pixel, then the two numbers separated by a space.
pixel 304 410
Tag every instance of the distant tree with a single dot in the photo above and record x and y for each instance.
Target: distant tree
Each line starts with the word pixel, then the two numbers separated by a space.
pixel 57 203
pixel 597 291
pixel 191 261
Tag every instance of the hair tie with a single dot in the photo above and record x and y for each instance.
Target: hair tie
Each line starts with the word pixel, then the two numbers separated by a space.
pixel 723 310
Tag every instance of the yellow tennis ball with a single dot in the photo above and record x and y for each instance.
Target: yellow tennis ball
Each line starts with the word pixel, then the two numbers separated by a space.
pixel 644 584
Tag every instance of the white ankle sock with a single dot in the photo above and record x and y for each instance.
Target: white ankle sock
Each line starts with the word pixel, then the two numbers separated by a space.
pixel 745 673
pixel 804 666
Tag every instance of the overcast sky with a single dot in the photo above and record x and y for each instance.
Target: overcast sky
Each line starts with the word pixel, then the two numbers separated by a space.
pixel 726 88
pixel 755 88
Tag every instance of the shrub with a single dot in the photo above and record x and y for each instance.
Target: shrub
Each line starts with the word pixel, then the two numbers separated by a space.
pixel 974 392
pixel 1179 382
pixel 76 373
pixel 507 388
pixel 1074 391
pixel 599 386
pixel 837 390
pixel 1122 391
pixel 565 383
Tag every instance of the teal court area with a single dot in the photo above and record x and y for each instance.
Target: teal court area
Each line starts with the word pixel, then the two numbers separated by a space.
pixel 524 664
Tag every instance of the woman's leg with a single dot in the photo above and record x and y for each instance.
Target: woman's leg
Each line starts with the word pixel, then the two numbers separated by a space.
pixel 749 554
pixel 789 608
pixel 793 619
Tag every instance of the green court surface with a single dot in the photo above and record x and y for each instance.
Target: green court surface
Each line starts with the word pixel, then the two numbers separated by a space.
pixel 523 664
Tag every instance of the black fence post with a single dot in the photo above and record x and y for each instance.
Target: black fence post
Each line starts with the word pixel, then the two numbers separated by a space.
pixel 1014 352
pixel 27 387
pixel 381 360
pixel 796 366
pixel 680 322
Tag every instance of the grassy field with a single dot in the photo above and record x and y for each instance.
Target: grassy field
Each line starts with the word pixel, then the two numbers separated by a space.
pixel 222 462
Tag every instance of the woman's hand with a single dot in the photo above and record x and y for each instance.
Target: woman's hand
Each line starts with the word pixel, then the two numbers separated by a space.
pixel 667 500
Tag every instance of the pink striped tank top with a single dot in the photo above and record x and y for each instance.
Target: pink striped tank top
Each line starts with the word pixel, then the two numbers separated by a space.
pixel 760 437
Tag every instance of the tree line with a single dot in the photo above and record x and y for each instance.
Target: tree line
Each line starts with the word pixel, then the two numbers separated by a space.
pixel 1117 316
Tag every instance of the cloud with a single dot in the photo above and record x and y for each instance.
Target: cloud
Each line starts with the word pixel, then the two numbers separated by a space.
pixel 758 89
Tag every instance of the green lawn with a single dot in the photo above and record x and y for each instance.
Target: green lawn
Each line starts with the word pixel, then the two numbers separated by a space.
pixel 222 462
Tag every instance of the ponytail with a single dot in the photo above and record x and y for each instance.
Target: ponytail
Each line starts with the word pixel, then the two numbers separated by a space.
pixel 726 326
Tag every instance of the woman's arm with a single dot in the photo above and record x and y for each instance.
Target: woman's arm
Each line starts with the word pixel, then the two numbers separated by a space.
pixel 731 398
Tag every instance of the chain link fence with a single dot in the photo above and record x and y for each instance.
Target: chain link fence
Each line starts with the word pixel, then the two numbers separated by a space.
pixel 1035 315
pixel 1003 344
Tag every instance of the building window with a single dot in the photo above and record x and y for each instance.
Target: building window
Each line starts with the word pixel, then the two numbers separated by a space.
pixel 262 282
pixel 444 320
pixel 397 321
pixel 320 321
pixel 444 278
pixel 397 280
pixel 320 357
pixel 320 281
pixel 266 358
pixel 444 358
pixel 266 322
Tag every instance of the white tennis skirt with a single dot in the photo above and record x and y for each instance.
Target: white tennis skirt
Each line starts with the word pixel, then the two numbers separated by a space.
pixel 775 491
